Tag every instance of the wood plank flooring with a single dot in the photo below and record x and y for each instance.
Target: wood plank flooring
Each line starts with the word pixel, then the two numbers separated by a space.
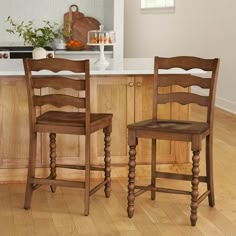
pixel 62 213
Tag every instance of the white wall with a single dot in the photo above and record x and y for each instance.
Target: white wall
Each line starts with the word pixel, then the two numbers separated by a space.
pixel 201 28
pixel 110 13
pixel 52 10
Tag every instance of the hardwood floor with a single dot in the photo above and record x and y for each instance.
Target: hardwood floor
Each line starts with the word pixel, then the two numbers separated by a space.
pixel 62 213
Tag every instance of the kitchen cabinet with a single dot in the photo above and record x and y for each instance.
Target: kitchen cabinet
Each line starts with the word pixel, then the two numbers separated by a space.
pixel 13 123
pixel 129 98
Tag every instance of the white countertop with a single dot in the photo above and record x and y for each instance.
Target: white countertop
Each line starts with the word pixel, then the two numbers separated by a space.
pixel 127 66
pixel 82 52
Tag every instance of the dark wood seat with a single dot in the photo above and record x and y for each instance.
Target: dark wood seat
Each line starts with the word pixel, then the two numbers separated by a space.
pixel 46 115
pixel 73 122
pixel 177 127
pixel 177 130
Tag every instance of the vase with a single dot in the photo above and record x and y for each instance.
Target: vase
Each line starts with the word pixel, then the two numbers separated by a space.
pixel 59 44
pixel 39 53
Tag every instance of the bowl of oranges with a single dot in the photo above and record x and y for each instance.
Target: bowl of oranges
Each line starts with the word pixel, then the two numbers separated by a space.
pixel 74 45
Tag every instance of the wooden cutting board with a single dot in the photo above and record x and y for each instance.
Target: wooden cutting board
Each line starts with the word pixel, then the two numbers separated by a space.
pixel 81 26
pixel 69 18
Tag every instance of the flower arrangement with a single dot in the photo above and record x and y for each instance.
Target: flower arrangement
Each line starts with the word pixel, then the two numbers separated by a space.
pixel 37 37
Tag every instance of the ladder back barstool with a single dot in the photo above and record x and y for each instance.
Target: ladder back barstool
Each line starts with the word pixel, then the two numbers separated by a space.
pixel 178 130
pixel 62 74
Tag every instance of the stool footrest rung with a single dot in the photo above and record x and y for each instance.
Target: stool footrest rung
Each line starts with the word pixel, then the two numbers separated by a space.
pixel 80 167
pixel 168 175
pixel 57 182
pixel 163 190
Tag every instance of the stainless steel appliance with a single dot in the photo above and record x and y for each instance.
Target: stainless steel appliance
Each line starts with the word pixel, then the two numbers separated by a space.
pixel 19 52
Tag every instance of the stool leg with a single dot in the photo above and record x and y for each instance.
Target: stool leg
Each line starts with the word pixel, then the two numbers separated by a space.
pixel 31 169
pixel 131 181
pixel 153 178
pixel 53 175
pixel 195 183
pixel 107 161
pixel 87 174
pixel 209 169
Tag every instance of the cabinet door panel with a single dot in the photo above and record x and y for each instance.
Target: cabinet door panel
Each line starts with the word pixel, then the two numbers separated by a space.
pixel 14 123
pixel 116 95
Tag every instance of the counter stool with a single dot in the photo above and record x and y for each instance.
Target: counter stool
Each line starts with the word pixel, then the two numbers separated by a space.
pixel 177 130
pixel 55 121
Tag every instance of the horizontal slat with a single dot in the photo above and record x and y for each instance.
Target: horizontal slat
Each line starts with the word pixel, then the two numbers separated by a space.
pixel 57 182
pixel 57 82
pixel 58 64
pixel 183 80
pixel 182 98
pixel 168 175
pixel 60 129
pixel 59 100
pixel 163 190
pixel 80 167
pixel 186 63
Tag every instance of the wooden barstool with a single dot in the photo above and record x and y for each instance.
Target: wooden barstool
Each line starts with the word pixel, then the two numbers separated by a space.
pixel 55 121
pixel 177 130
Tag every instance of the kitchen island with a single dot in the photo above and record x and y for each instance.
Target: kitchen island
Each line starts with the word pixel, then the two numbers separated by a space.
pixel 124 89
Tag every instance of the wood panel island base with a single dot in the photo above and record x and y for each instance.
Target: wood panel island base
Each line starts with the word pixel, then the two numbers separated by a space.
pixel 126 92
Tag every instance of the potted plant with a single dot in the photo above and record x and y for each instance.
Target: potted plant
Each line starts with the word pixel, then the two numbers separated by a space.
pixel 38 37
pixel 59 42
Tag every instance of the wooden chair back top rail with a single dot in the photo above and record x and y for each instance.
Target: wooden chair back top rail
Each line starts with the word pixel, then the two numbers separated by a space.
pixel 183 98
pixel 59 82
pixel 59 64
pixel 186 63
pixel 183 80
pixel 59 100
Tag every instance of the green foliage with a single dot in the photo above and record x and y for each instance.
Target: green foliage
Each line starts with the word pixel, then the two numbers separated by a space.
pixel 37 37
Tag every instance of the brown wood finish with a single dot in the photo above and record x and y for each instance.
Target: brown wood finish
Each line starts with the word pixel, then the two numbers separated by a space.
pixel 76 25
pixel 70 17
pixel 167 151
pixel 177 130
pixel 58 82
pixel 59 100
pixel 183 80
pixel 81 27
pixel 182 98
pixel 54 121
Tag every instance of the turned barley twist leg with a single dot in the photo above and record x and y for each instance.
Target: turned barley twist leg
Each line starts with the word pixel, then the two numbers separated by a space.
pixel 195 182
pixel 131 181
pixel 52 159
pixel 107 160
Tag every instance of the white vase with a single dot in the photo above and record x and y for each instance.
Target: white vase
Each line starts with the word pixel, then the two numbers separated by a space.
pixel 39 53
pixel 59 44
